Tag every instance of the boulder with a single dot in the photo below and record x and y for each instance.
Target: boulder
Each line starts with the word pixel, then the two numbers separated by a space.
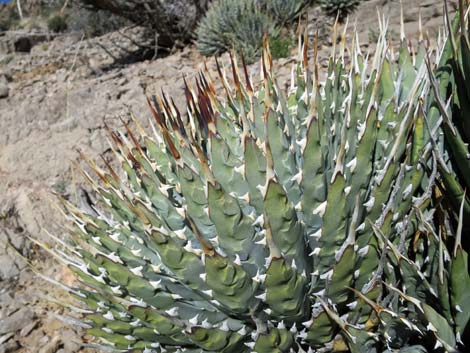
pixel 23 43
pixel 16 321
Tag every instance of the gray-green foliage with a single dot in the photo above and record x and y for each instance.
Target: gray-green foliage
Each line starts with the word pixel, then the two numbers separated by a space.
pixel 234 24
pixel 284 11
pixel 280 47
pixel 340 8
pixel 241 24
pixel 57 23
pixel 173 21
pixel 452 81
pixel 271 222
pixel 94 22
pixel 9 17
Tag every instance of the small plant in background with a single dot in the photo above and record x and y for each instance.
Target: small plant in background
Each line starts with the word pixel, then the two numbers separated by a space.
pixel 9 19
pixel 173 20
pixel 94 22
pixel 61 186
pixel 284 11
pixel 373 35
pixel 280 47
pixel 57 23
pixel 241 24
pixel 340 8
pixel 234 24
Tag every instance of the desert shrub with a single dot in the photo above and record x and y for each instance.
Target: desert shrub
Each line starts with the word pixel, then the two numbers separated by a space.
pixel 238 25
pixel 173 20
pixel 280 47
pixel 9 17
pixel 340 8
pixel 284 11
pixel 57 23
pixel 95 22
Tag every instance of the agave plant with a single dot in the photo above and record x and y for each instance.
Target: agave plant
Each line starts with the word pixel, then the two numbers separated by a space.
pixel 451 84
pixel 284 11
pixel 271 222
pixel 339 8
pixel 238 25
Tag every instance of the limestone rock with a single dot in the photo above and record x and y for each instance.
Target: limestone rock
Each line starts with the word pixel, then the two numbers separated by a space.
pixel 8 268
pixel 16 321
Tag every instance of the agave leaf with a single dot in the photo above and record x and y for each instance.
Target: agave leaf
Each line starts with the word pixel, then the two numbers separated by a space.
pixel 284 160
pixel 286 229
pixel 321 330
pixel 224 162
pixel 255 172
pixel 119 341
pixel 276 341
pixel 333 228
pixel 285 290
pixel 231 285
pixel 363 170
pixel 186 265
pixel 234 228
pixel 460 153
pixel 460 290
pixel 410 349
pixel 462 74
pixel 216 339
pixel 343 272
pixel 440 327
pixel 193 188
pixel 313 177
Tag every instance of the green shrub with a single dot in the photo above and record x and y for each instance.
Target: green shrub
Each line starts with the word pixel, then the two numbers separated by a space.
pixel 234 24
pixel 57 23
pixel 173 20
pixel 95 22
pixel 340 8
pixel 454 163
pixel 8 18
pixel 284 11
pixel 279 47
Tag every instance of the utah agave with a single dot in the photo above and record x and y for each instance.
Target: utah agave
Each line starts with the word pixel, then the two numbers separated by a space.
pixel 339 8
pixel 265 222
pixel 238 25
pixel 451 83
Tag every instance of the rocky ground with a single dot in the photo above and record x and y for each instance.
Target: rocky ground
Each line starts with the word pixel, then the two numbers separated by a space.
pixel 55 100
